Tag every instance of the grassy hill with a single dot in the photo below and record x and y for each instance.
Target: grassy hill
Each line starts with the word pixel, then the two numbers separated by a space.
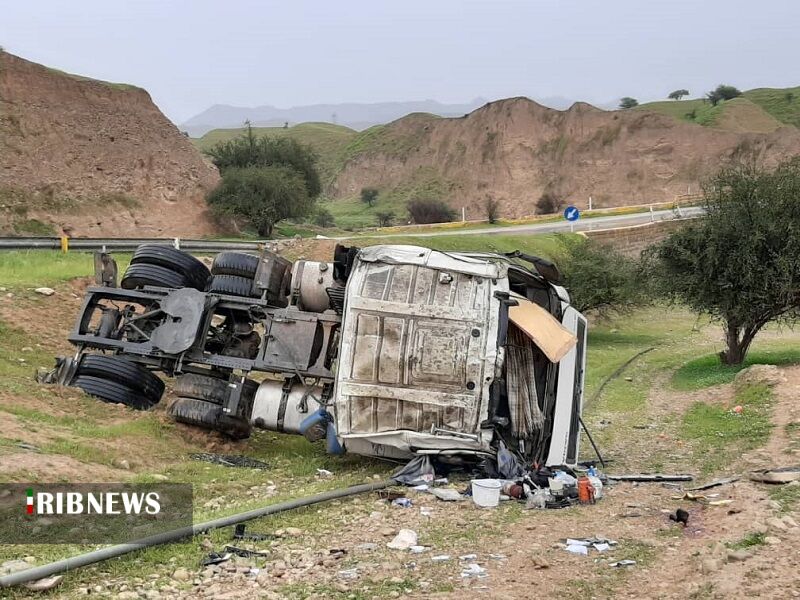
pixel 760 110
pixel 327 139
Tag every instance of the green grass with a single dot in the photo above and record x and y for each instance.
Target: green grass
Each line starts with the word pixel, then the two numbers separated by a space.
pixel 719 436
pixel 708 370
pixel 743 113
pixel 36 268
pixel 788 496
pixel 544 245
pixel 783 104
pixel 748 541
pixel 328 141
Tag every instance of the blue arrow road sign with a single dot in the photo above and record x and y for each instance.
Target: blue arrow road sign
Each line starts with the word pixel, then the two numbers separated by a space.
pixel 571 213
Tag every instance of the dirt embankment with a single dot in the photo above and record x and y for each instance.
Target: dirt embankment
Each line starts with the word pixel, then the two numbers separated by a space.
pixel 93 158
pixel 514 150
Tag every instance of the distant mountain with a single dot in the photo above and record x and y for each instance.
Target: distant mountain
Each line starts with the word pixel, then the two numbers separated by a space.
pixel 354 115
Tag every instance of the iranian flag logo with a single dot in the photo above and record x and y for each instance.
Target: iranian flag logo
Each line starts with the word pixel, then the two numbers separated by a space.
pixel 29 505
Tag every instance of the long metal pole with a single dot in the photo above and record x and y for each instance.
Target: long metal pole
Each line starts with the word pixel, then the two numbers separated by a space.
pixel 89 558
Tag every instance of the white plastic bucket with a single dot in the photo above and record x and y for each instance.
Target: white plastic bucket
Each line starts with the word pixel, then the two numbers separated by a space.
pixel 486 492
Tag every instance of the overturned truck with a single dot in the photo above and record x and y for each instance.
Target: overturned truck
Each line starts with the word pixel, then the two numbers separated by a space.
pixel 386 351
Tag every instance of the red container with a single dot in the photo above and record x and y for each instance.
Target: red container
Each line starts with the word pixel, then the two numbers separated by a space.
pixel 585 491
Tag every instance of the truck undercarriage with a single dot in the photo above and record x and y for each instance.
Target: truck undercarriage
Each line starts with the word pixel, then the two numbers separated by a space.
pixel 387 351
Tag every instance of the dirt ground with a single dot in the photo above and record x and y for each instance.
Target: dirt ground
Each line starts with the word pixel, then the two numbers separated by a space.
pixel 749 547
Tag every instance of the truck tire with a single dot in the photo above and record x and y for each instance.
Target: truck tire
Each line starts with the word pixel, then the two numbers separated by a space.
pixel 140 275
pixel 233 285
pixel 210 389
pixel 235 263
pixel 111 391
pixel 200 413
pixel 120 370
pixel 195 272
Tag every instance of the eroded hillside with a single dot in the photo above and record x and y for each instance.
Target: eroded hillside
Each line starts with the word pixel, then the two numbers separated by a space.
pixel 514 150
pixel 93 158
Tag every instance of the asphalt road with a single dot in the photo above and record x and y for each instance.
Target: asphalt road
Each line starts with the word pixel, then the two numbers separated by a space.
pixel 609 222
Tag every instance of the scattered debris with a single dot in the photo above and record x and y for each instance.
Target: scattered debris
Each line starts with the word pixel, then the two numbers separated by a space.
pixel 712 484
pixel 348 574
pixel 324 473
pixel 447 494
pixel 623 563
pixel 215 558
pixel 777 475
pixel 243 552
pixel 440 558
pixel 680 516
pixel 650 478
pixel 404 539
pixel 582 545
pixel 239 533
pixel 474 570
pixel 229 460
pixel 402 502
pixel 468 557
pixel 418 549
pixel 30 447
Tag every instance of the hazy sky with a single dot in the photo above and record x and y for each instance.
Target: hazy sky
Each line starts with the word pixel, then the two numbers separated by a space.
pixel 192 54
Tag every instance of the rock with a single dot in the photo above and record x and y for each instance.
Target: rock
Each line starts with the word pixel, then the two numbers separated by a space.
pixel 540 563
pixel 760 527
pixel 366 547
pixel 789 521
pixel 27 349
pixel 42 585
pixel 294 532
pixel 127 596
pixel 159 477
pixel 772 540
pixel 710 565
pixel 387 531
pixel 404 539
pixel 45 291
pixel 739 555
pixel 124 464
pixel 768 374
pixel 720 552
pixel 181 574
pixel 206 544
pixel 776 523
pixel 12 566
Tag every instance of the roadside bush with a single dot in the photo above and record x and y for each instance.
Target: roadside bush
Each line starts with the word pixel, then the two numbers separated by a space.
pixel 262 196
pixel 384 218
pixel 491 209
pixel 428 210
pixel 548 204
pixel 599 278
pixel 323 217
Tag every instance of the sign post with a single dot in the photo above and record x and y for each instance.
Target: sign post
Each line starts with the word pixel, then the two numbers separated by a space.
pixel 572 214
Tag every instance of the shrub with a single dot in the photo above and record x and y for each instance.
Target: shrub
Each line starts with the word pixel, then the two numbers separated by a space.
pixel 384 218
pixel 261 195
pixel 369 195
pixel 548 204
pixel 323 217
pixel 429 210
pixel 491 209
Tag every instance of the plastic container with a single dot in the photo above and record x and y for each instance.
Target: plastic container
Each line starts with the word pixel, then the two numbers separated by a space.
pixel 585 491
pixel 486 492
pixel 597 484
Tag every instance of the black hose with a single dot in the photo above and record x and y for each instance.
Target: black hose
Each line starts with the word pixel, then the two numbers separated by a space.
pixel 89 558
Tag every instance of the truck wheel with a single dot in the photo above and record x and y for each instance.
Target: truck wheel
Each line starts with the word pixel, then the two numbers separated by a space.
pixel 140 275
pixel 210 389
pixel 125 372
pixel 111 391
pixel 195 272
pixel 208 416
pixel 233 285
pixel 235 263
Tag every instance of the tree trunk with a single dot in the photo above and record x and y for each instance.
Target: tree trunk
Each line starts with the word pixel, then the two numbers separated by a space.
pixel 737 341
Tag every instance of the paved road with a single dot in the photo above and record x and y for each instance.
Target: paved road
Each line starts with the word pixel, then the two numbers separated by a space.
pixel 609 222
